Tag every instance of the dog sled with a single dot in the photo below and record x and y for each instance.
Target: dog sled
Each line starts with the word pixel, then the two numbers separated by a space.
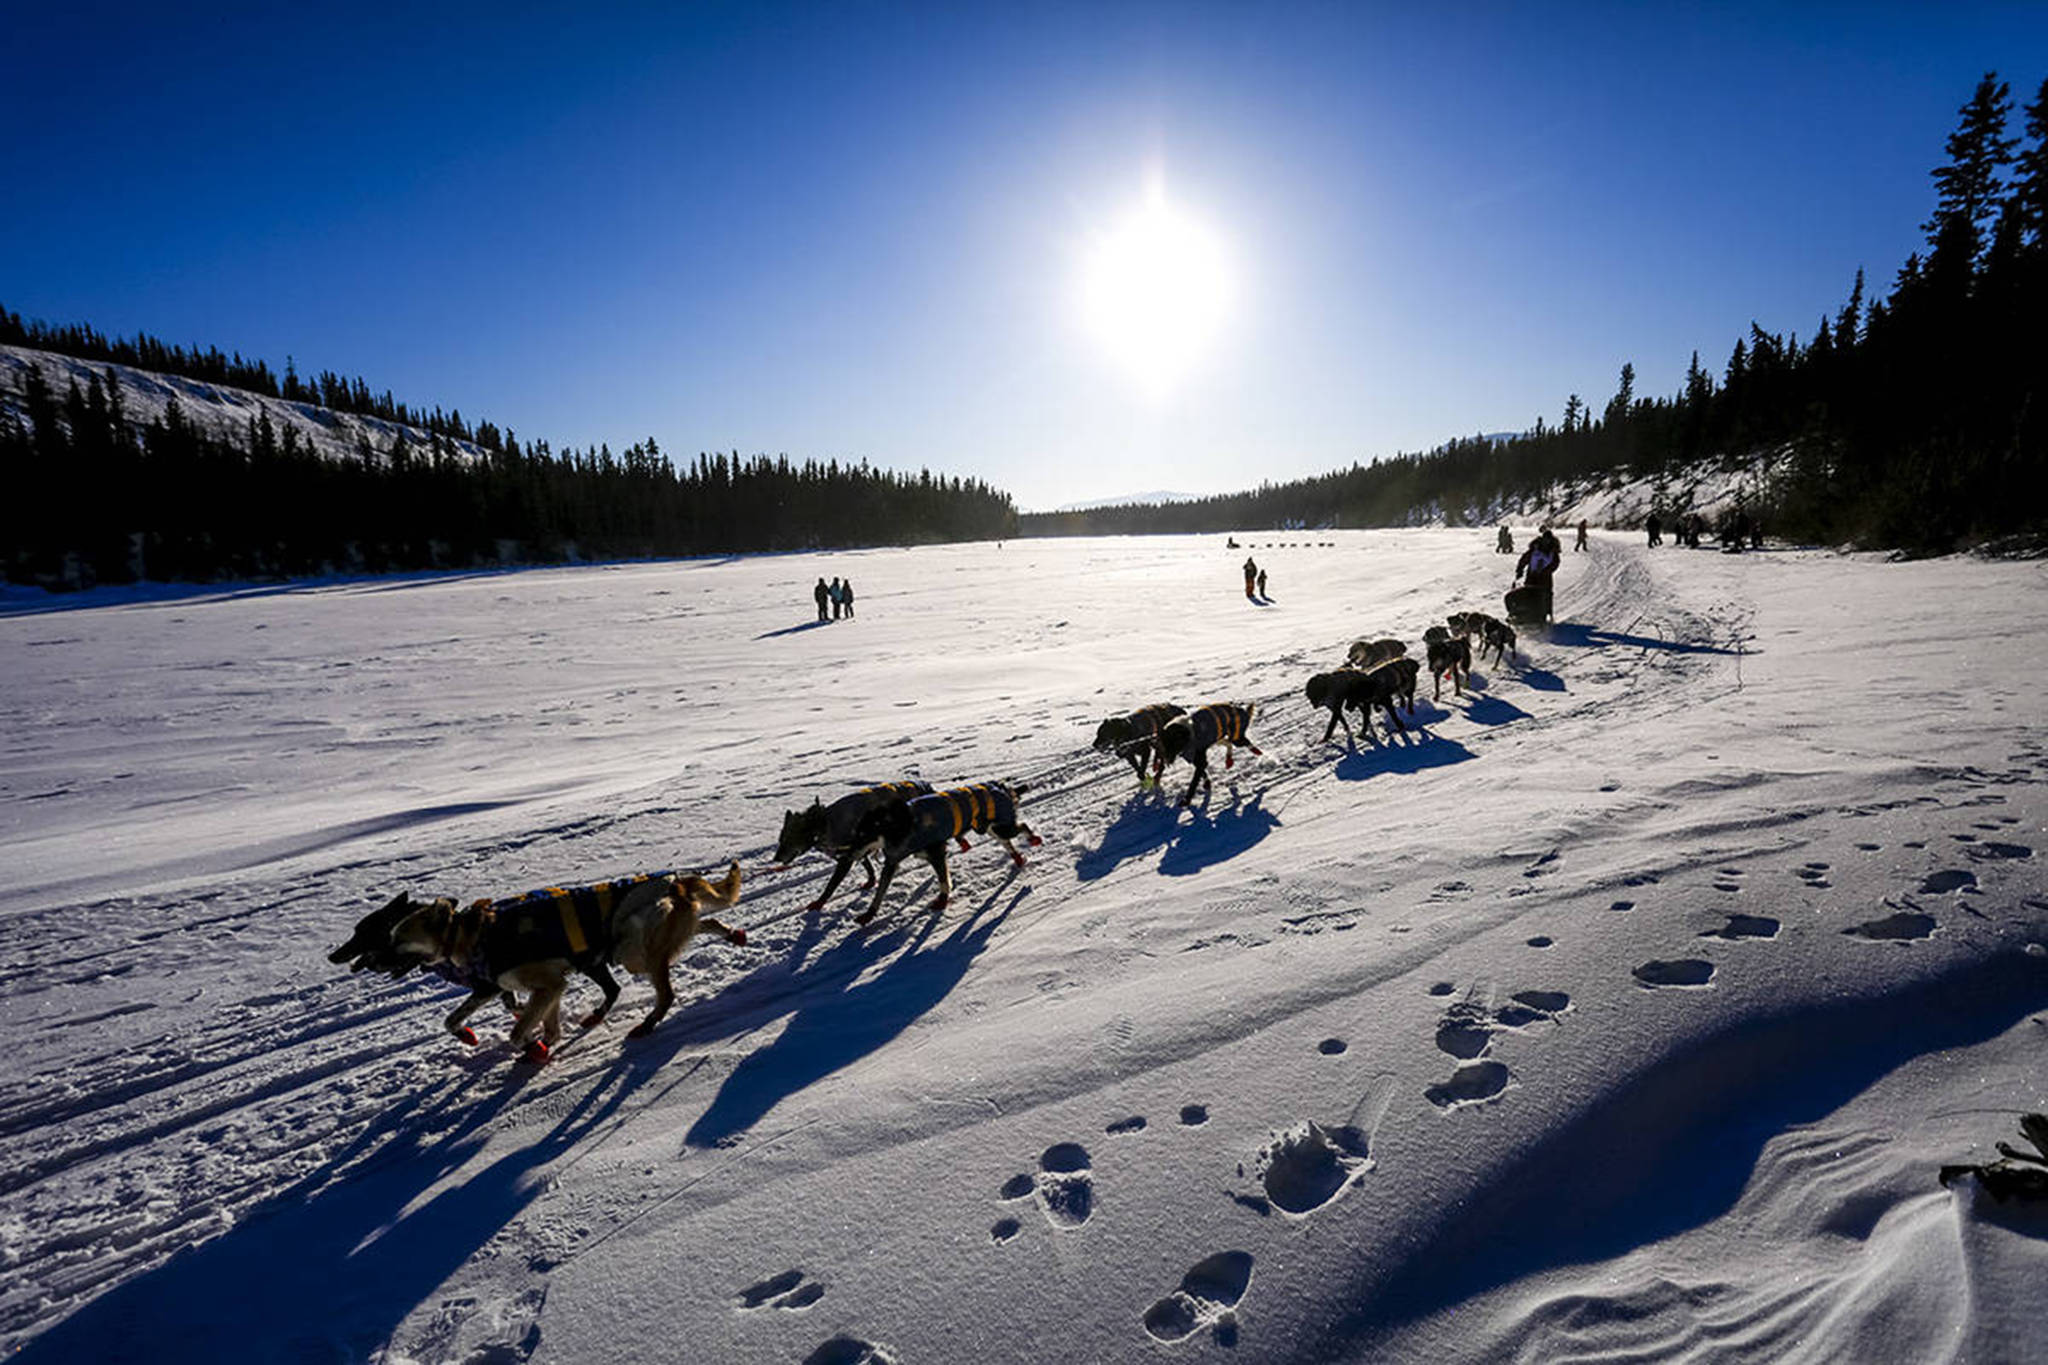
pixel 1526 605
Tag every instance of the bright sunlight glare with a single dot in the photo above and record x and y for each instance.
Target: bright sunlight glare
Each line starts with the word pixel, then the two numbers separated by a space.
pixel 1154 292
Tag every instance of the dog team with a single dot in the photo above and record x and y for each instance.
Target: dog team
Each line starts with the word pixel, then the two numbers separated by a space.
pixel 522 950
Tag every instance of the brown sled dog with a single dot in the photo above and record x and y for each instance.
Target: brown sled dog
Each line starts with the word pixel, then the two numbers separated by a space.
pixel 527 945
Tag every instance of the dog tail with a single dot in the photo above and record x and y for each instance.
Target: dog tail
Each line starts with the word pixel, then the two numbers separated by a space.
pixel 726 891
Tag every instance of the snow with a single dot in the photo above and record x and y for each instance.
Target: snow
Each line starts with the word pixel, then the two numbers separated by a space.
pixel 217 409
pixel 1625 1011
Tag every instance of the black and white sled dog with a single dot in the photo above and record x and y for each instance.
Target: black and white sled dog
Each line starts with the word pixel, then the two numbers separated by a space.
pixel 1135 737
pixel 1492 633
pixel 927 825
pixel 1191 736
pixel 1449 657
pixel 835 829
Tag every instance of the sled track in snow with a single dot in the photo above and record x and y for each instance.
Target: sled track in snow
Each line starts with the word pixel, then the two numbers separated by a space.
pixel 279 1094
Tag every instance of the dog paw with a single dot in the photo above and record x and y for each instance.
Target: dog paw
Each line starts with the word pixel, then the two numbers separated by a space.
pixel 642 1029
pixel 534 1053
pixel 738 938
pixel 1065 1185
pixel 592 1019
pixel 814 907
pixel 466 1034
pixel 1208 1297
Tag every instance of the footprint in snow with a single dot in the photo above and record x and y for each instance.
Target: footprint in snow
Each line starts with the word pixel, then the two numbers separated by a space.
pixel 1904 926
pixel 1467 1028
pixel 1745 926
pixel 1134 1124
pixel 1465 1031
pixel 1003 1230
pixel 1065 1185
pixel 1208 1297
pixel 1472 1083
pixel 1686 971
pixel 1991 852
pixel 850 1351
pixel 1194 1115
pixel 1951 879
pixel 1308 1165
pixel 786 1290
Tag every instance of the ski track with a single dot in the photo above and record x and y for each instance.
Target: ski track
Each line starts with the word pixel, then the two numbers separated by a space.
pixel 129 1152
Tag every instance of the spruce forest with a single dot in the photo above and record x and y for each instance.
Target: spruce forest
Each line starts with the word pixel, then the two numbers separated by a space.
pixel 103 498
pixel 1909 420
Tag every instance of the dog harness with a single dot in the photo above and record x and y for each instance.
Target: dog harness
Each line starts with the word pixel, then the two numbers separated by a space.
pixel 1147 721
pixel 1228 723
pixel 966 809
pixel 556 921
pixel 843 817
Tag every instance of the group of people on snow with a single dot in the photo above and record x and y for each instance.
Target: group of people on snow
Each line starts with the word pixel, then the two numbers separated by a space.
pixel 838 596
pixel 1254 578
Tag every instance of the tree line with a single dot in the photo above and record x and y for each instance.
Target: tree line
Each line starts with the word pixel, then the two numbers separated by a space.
pixel 1912 420
pixel 96 496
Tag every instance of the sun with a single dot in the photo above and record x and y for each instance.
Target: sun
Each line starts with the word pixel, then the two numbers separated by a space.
pixel 1155 289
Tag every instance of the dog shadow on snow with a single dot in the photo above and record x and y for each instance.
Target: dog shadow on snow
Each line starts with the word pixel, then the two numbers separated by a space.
pixel 844 1011
pixel 329 1267
pixel 1213 836
pixel 1418 755
pixel 1146 822
pixel 1591 637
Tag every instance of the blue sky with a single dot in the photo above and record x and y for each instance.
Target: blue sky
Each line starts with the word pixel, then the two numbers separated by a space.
pixel 858 231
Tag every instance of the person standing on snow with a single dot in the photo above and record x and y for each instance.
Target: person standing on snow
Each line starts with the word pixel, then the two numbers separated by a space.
pixel 846 597
pixel 822 594
pixel 1251 578
pixel 1539 562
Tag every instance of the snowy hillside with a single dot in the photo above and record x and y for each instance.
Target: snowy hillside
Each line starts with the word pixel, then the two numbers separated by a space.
pixel 1623 497
pixel 214 408
pixel 1623 1010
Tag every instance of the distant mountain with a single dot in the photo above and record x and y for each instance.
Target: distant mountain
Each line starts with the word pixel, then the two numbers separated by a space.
pixel 1128 500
